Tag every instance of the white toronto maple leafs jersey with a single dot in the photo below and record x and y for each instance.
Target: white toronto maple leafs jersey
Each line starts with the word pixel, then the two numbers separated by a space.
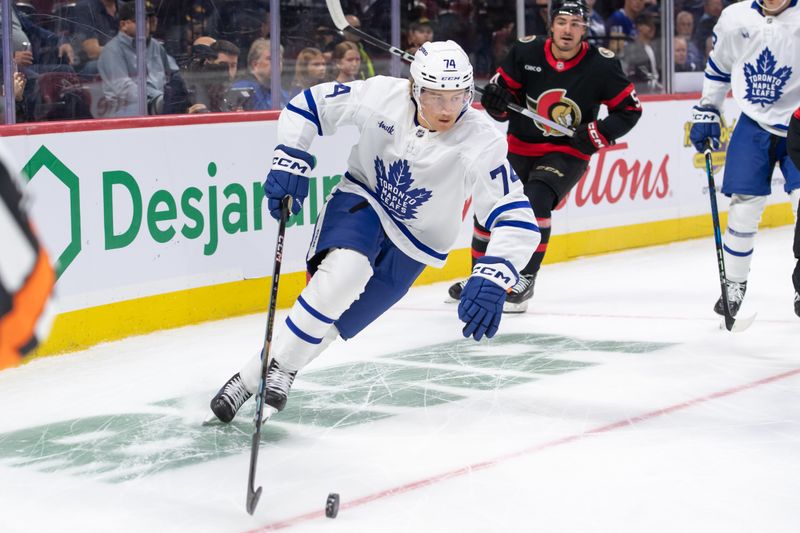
pixel 418 180
pixel 759 58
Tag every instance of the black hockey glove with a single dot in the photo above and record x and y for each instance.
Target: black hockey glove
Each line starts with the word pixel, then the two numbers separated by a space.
pixel 495 99
pixel 588 139
pixel 793 138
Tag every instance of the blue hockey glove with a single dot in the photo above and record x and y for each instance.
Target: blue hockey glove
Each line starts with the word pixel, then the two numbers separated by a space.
pixel 288 176
pixel 705 126
pixel 482 298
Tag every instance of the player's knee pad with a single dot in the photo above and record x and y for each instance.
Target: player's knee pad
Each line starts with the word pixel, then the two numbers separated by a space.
pixel 338 282
pixel 745 212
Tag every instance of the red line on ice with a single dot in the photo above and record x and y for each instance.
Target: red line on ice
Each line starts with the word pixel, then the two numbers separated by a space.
pixel 458 472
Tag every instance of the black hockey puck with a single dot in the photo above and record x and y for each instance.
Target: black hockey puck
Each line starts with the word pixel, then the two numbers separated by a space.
pixel 332 505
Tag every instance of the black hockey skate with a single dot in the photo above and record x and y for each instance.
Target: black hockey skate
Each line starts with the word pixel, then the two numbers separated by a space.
pixel 229 399
pixel 455 289
pixel 517 299
pixel 797 303
pixel 736 292
pixel 279 381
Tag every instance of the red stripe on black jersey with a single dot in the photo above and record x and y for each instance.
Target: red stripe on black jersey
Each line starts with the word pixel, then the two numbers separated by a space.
pixel 797 114
pixel 520 147
pixel 511 82
pixel 614 102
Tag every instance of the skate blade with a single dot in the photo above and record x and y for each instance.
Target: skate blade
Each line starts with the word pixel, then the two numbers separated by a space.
pixel 742 323
pixel 515 308
pixel 451 300
pixel 267 413
pixel 211 420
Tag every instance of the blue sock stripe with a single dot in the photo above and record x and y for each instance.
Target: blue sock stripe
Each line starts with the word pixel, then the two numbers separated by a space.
pixel 313 312
pixel 301 334
pixel 742 234
pixel 737 254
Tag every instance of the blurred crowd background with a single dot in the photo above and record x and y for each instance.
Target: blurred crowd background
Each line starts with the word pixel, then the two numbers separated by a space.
pixel 77 59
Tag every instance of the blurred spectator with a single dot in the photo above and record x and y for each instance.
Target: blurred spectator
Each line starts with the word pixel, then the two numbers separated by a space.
pixel 705 26
pixel 346 62
pixel 419 33
pixel 620 26
pixel 536 18
pixel 366 69
pixel 96 23
pixel 118 70
pixel 228 55
pixel 35 48
pixel 19 81
pixel 502 39
pixel 452 23
pixel 681 56
pixel 309 69
pixel 684 27
pixel 640 58
pixel 259 76
pixel 597 26
pixel 208 77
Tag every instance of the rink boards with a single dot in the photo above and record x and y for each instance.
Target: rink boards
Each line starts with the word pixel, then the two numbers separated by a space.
pixel 160 222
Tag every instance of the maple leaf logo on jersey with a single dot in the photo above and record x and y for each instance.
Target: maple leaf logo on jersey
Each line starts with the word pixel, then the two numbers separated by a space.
pixel 394 189
pixel 765 83
pixel 555 105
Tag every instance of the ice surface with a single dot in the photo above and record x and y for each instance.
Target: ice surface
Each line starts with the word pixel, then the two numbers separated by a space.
pixel 616 403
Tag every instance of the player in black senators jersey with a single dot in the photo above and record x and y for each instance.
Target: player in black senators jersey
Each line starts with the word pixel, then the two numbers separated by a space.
pixel 565 79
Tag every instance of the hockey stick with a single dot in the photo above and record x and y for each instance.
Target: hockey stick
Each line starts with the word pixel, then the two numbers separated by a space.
pixel 335 9
pixel 731 323
pixel 254 494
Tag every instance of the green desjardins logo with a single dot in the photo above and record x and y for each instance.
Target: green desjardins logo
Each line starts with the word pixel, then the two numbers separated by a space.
pixel 192 212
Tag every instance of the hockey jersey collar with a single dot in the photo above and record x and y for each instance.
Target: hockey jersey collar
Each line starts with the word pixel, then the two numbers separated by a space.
pixel 758 10
pixel 562 66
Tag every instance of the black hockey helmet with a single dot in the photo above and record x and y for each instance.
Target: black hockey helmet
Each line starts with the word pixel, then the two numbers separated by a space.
pixel 577 8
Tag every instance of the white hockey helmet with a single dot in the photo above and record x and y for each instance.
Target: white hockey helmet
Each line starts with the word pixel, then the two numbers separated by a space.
pixel 442 66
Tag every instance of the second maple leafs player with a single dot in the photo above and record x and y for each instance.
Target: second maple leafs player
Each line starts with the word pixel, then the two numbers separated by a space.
pixel 565 79
pixel 756 55
pixel 422 152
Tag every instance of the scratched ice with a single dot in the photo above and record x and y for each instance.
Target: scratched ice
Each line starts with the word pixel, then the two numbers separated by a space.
pixel 615 404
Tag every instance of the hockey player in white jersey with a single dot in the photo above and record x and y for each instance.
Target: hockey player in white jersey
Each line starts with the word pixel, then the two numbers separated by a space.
pixel 756 55
pixel 423 150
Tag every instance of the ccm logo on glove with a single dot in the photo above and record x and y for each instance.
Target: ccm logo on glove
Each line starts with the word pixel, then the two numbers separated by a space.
pixel 501 277
pixel 295 166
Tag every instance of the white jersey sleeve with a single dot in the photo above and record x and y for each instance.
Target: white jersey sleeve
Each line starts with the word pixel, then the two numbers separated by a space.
pixel 320 110
pixel 758 58
pixel 502 207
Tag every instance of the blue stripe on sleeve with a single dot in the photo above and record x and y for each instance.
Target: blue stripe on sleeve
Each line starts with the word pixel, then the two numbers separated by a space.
pixel 312 115
pixel 503 208
pixel 313 312
pixel 718 78
pixel 518 224
pixel 717 69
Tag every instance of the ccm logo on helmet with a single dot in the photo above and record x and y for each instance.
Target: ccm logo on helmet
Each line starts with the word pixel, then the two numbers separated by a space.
pixel 289 164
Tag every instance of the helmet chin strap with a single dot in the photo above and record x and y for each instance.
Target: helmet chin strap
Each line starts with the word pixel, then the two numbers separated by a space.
pixel 765 8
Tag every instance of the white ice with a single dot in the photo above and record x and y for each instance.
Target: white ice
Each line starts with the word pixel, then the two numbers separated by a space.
pixel 701 434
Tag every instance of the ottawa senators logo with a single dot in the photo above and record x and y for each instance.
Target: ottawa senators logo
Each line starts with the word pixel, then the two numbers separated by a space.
pixel 554 104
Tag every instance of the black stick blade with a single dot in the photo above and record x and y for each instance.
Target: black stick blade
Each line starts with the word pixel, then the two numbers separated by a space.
pixel 252 500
